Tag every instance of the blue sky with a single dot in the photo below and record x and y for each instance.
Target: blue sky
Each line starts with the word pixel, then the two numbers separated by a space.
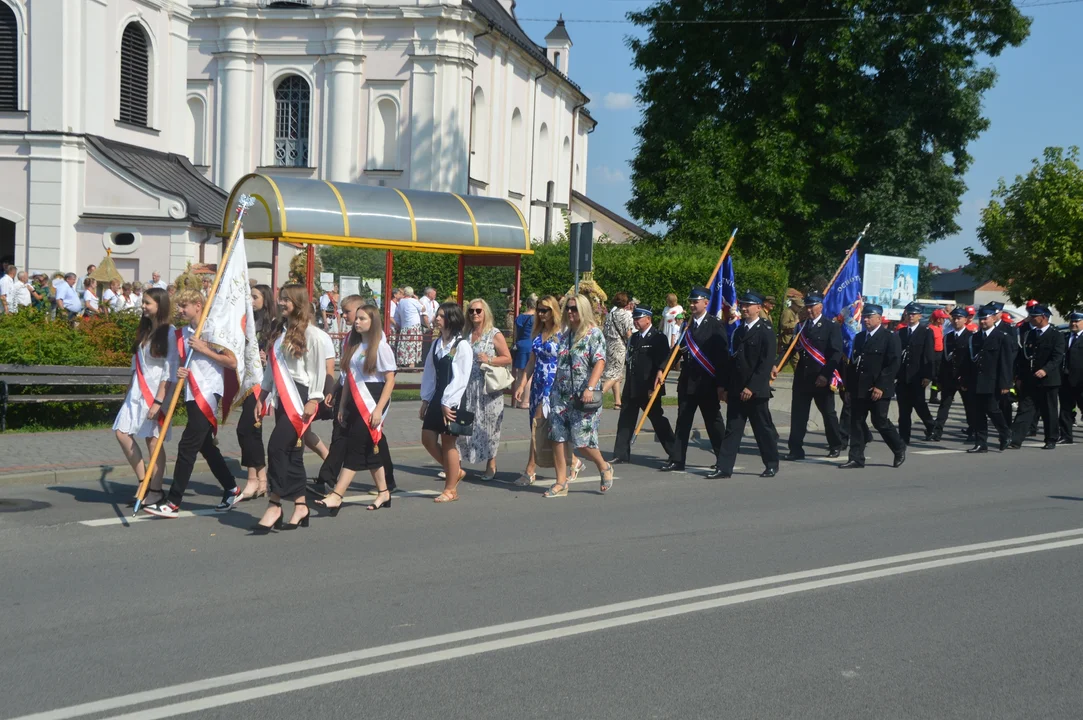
pixel 1037 102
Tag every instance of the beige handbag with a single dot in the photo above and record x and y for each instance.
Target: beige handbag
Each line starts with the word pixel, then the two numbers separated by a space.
pixel 543 446
pixel 497 379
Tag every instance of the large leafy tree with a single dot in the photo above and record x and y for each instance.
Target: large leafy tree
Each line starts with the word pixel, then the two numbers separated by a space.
pixel 801 120
pixel 1032 232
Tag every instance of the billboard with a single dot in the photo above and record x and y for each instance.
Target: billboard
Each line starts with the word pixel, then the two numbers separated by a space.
pixel 891 282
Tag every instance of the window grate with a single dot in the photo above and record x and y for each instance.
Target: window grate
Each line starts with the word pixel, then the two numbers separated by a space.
pixel 134 75
pixel 292 103
pixel 9 59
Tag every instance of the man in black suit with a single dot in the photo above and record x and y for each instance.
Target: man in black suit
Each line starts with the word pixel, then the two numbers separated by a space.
pixel 951 364
pixel 644 362
pixel 915 372
pixel 706 354
pixel 1012 333
pixel 1071 383
pixel 820 345
pixel 987 376
pixel 1037 369
pixel 747 390
pixel 870 382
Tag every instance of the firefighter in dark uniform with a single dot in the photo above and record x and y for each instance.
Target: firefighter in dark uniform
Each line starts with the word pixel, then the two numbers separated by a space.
pixel 951 365
pixel 987 376
pixel 915 372
pixel 705 352
pixel 870 382
pixel 820 345
pixel 1037 369
pixel 1012 333
pixel 747 390
pixel 648 350
pixel 1071 382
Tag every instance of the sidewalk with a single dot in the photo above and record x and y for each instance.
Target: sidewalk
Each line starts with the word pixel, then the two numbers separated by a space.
pixel 87 455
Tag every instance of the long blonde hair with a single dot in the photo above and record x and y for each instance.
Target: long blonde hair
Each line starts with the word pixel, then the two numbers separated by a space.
pixel 554 317
pixel 586 316
pixel 486 316
pixel 297 322
pixel 371 339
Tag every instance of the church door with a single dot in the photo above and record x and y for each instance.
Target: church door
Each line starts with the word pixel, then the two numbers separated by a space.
pixel 7 242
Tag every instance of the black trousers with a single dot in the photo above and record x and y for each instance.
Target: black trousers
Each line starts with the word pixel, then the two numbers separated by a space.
pixel 863 408
pixel 947 399
pixel 758 414
pixel 336 455
pixel 1071 399
pixel 983 408
pixel 250 437
pixel 911 398
pixel 1004 402
pixel 626 425
pixel 800 405
pixel 844 424
pixel 198 438
pixel 1036 402
pixel 285 456
pixel 707 404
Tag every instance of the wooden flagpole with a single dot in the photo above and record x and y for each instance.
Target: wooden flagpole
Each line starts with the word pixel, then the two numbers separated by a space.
pixel 243 203
pixel 677 345
pixel 797 335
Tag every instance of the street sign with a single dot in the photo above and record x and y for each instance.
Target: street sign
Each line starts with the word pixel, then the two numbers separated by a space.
pixel 581 247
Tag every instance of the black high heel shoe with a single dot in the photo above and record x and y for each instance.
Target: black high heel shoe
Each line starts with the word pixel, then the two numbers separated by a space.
pixel 331 511
pixel 261 529
pixel 303 522
pixel 381 506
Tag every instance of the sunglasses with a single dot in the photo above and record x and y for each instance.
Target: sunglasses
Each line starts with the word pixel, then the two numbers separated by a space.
pixel 543 311
pixel 572 308
pixel 476 311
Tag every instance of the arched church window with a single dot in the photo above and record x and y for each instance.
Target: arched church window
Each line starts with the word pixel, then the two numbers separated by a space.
pixel 134 75
pixel 385 135
pixel 293 99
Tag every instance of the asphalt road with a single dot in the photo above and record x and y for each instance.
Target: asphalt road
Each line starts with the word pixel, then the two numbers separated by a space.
pixel 948 588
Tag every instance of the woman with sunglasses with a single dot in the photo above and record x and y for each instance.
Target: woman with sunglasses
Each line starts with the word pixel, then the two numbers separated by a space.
pixel 540 370
pixel 489 348
pixel 580 364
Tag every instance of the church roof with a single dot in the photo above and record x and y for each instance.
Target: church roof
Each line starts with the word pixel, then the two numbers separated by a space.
pixel 494 12
pixel 171 174
pixel 559 32
pixel 631 227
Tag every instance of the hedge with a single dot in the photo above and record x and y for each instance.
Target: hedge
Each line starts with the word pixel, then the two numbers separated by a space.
pixel 648 271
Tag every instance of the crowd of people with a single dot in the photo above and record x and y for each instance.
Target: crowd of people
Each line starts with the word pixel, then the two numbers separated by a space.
pixel 562 355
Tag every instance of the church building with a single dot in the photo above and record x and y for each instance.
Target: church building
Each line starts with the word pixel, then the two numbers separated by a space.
pixel 124 122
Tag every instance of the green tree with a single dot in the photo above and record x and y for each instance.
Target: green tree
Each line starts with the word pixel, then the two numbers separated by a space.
pixel 1032 232
pixel 800 131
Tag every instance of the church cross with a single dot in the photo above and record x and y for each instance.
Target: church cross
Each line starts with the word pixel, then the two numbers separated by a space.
pixel 548 204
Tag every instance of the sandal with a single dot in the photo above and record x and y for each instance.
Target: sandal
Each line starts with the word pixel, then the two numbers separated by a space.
pixel 261 491
pixel 554 493
pixel 526 480
pixel 573 474
pixel 607 482
pixel 332 510
pixel 489 478
pixel 446 497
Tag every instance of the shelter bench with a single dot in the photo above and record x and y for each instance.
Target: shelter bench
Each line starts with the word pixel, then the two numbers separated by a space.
pixel 59 378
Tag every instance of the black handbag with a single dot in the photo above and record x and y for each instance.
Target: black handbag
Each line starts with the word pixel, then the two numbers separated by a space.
pixel 463 424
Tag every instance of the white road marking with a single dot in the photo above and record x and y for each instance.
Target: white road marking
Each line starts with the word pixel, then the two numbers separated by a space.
pixel 352 673
pixel 909 562
pixel 937 452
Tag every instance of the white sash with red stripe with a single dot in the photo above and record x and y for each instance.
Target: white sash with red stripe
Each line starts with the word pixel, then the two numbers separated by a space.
pixel 818 356
pixel 286 390
pixel 207 406
pixel 144 386
pixel 362 398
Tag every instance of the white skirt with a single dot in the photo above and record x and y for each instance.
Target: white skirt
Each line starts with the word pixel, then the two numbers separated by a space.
pixel 132 418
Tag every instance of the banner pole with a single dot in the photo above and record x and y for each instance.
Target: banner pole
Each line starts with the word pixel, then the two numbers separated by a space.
pixel 243 203
pixel 677 345
pixel 797 335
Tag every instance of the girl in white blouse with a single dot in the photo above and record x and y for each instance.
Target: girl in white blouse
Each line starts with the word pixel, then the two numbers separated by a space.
pixel 447 371
pixel 367 379
pixel 294 382
pixel 154 370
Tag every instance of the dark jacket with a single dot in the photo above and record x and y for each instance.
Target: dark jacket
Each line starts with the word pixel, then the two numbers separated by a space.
pixel 1073 363
pixel 1040 352
pixel 1012 333
pixel 951 359
pixel 710 337
pixel 645 359
pixel 874 362
pixel 987 362
pixel 918 354
pixel 826 337
pixel 752 361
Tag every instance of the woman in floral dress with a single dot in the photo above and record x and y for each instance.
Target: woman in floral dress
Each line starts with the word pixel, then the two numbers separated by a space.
pixel 617 329
pixel 490 348
pixel 580 364
pixel 539 373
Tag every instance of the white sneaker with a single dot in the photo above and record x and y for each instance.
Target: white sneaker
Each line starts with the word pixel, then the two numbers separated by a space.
pixel 163 509
pixel 229 499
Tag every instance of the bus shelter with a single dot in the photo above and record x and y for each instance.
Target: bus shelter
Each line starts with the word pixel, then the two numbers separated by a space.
pixel 482 231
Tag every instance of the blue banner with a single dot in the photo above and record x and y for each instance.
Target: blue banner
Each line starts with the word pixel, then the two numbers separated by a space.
pixel 724 296
pixel 843 302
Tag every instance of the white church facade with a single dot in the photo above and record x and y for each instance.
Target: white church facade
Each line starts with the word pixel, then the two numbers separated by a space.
pixel 124 122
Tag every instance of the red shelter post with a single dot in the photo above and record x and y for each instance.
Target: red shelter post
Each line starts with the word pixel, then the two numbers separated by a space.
pixel 274 267
pixel 310 270
pixel 389 271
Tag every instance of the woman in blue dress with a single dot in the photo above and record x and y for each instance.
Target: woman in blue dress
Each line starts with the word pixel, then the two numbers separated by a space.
pixel 524 343
pixel 539 372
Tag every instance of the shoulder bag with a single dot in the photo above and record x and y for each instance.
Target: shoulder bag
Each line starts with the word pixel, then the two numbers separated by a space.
pixel 577 399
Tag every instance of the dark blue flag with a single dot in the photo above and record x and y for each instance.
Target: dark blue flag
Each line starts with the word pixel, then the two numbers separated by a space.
pixel 724 296
pixel 843 302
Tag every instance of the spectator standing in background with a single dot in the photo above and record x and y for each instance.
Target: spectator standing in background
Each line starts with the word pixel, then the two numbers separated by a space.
pixel 69 303
pixel 89 269
pixel 671 324
pixel 329 309
pixel 21 296
pixel 7 289
pixel 137 295
pixel 111 299
pixel 90 298
pixel 409 319
pixel 39 292
pixel 156 281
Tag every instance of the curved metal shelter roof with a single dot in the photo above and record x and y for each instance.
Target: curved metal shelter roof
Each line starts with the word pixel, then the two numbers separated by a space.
pixel 317 211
